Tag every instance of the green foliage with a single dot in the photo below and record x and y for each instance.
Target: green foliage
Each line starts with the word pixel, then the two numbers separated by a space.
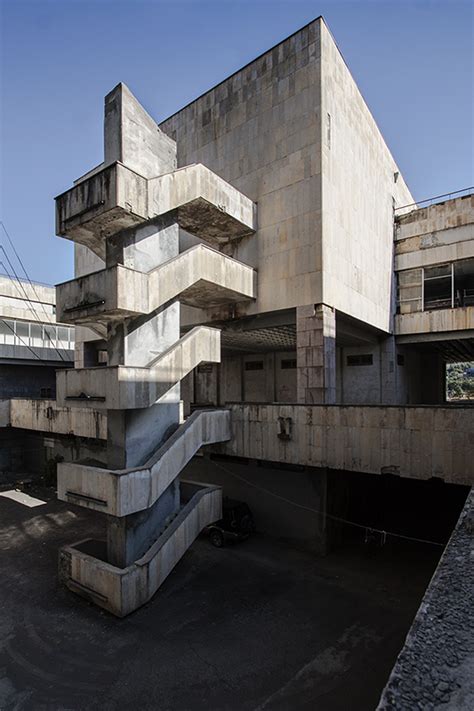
pixel 460 381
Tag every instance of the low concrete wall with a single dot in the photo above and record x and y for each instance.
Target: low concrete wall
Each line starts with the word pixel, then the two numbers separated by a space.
pixel 439 321
pixel 434 668
pixel 46 416
pixel 414 442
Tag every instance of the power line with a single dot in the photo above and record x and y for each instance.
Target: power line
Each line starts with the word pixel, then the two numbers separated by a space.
pixel 21 339
pixel 26 298
pixel 322 513
pixel 31 307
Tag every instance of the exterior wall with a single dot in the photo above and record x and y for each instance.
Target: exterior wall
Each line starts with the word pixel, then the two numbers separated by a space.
pixel 260 130
pixel 439 234
pixel 14 304
pixel 358 194
pixel 26 380
pixel 414 442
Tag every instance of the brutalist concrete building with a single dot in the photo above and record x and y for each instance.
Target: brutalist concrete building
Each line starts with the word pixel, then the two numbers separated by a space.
pixel 256 285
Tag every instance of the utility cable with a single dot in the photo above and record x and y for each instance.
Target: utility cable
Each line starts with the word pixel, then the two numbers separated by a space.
pixel 31 307
pixel 322 513
pixel 21 339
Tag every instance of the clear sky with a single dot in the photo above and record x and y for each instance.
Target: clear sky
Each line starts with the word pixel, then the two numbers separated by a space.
pixel 412 60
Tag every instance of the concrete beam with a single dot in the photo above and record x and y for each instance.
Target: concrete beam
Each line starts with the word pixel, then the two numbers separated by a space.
pixel 439 321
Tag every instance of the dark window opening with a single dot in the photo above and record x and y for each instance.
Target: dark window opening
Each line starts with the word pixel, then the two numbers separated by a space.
pixel 287 364
pixel 361 359
pixel 254 365
pixel 400 359
pixel 46 392
pixel 437 287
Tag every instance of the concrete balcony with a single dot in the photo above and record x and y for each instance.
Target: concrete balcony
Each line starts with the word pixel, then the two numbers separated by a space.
pixel 109 201
pixel 127 491
pixel 436 321
pixel 124 387
pixel 200 276
pixel 116 198
pixel 123 590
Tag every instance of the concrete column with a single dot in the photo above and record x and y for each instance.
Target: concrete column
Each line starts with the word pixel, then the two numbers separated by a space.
pixel 316 354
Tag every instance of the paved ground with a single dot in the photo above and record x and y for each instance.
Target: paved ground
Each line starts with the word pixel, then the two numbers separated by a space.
pixel 255 626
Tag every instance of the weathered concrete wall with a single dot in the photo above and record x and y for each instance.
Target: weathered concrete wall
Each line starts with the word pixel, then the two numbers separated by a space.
pixel 260 130
pixel 46 416
pixel 421 224
pixel 439 321
pixel 26 380
pixel 414 442
pixel 434 668
pixel 358 190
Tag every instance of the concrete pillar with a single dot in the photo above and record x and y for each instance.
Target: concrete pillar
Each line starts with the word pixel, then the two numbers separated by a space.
pixel 316 354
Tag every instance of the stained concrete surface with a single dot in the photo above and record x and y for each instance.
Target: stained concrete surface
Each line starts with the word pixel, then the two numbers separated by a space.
pixel 253 626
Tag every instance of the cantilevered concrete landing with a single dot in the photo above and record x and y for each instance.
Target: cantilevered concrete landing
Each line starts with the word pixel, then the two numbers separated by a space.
pixel 117 197
pixel 200 276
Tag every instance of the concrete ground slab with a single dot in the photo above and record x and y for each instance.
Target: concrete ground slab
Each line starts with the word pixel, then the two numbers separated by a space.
pixel 253 626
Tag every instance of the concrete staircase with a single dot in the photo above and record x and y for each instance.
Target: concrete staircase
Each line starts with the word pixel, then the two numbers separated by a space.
pixel 129 211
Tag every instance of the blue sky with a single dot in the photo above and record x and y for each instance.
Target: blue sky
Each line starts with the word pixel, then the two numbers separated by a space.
pixel 412 60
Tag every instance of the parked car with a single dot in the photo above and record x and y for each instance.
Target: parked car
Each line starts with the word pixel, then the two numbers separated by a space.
pixel 235 525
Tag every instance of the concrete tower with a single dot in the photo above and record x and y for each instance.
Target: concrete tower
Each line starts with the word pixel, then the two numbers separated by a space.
pixel 130 211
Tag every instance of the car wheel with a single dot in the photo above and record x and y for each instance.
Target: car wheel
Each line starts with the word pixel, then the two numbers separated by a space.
pixel 217 538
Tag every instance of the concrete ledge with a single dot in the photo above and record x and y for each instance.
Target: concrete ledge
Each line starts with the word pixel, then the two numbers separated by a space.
pixel 127 388
pixel 127 491
pixel 438 321
pixel 123 590
pixel 46 416
pixel 435 667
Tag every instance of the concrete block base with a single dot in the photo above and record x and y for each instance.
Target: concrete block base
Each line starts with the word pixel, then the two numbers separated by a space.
pixel 83 567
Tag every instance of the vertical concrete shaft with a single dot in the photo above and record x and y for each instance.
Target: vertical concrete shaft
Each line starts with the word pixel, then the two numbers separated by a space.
pixel 316 354
pixel 133 138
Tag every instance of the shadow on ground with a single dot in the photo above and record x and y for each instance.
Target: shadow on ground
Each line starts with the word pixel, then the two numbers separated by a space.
pixel 254 626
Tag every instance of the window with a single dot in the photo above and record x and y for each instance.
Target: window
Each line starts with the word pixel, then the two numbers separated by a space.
pixel 288 364
pixel 400 359
pixel 254 365
pixel 46 392
pixel 437 287
pixel 362 359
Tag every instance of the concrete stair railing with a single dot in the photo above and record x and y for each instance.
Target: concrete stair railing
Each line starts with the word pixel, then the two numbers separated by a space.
pixel 123 590
pixel 127 491
pixel 124 387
